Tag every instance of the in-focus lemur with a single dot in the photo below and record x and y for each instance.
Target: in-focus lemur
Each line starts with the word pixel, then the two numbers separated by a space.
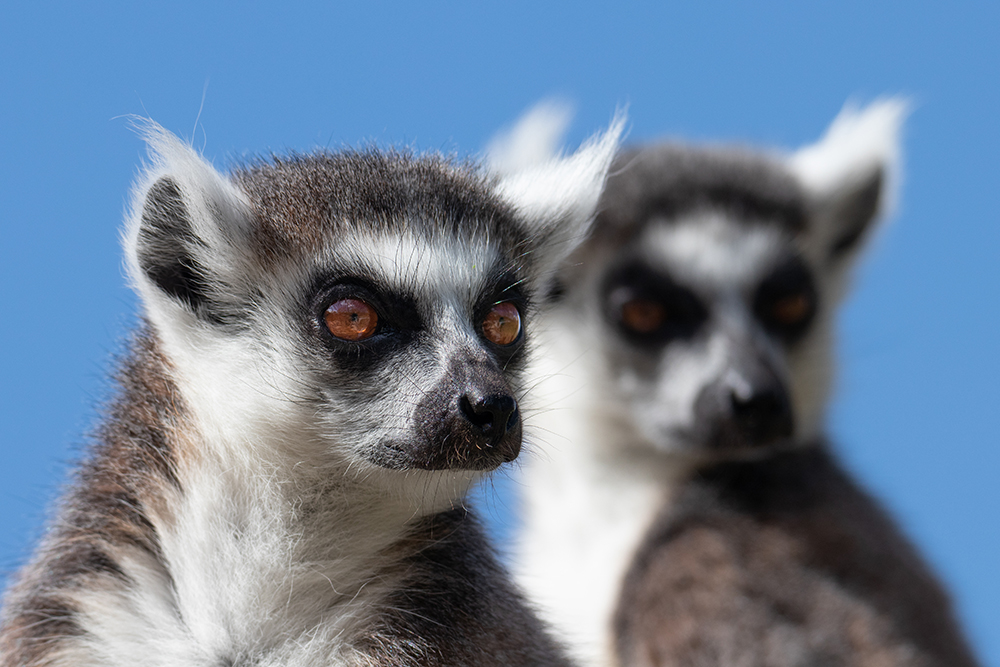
pixel 332 352
pixel 687 368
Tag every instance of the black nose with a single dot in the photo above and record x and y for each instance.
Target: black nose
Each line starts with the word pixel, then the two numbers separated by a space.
pixel 492 415
pixel 763 415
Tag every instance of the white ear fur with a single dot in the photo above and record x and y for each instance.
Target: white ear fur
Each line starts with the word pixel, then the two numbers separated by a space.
pixel 536 137
pixel 851 175
pixel 559 195
pixel 215 213
pixel 857 143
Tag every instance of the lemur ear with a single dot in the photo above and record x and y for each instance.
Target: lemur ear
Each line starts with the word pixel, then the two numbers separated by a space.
pixel 558 195
pixel 851 174
pixel 537 137
pixel 186 225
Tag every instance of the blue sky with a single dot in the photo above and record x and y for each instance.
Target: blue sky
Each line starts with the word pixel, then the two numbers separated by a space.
pixel 916 416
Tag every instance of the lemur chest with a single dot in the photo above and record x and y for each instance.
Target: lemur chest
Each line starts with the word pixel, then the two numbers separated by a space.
pixel 241 583
pixel 581 531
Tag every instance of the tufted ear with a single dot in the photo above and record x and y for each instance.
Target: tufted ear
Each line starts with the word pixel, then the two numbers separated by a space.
pixel 536 137
pixel 850 175
pixel 557 196
pixel 187 228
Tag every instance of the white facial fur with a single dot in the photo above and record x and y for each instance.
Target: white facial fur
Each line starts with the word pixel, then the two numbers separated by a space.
pixel 258 397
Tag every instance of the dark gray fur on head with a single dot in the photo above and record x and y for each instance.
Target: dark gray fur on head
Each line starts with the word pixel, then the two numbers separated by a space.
pixel 298 203
pixel 666 180
pixel 392 191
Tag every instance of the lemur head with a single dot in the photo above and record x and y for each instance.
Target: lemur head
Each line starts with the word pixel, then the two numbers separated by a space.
pixel 704 302
pixel 367 310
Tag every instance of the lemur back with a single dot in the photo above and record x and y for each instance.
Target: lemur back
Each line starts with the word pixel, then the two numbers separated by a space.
pixel 686 368
pixel 331 353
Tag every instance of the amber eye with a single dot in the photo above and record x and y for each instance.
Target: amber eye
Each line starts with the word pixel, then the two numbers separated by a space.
pixel 643 316
pixel 502 324
pixel 351 319
pixel 791 310
pixel 786 301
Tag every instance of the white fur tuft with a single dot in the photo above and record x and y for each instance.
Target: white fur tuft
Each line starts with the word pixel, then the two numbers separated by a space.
pixel 535 138
pixel 858 142
pixel 219 209
pixel 559 196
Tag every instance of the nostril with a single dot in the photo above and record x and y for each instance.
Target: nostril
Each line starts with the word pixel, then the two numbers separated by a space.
pixel 763 415
pixel 755 406
pixel 493 415
pixel 481 418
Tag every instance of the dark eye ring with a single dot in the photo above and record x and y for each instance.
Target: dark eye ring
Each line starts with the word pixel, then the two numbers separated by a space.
pixel 786 301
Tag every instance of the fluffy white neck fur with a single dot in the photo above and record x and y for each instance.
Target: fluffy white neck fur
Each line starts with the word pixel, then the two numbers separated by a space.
pixel 264 560
pixel 590 493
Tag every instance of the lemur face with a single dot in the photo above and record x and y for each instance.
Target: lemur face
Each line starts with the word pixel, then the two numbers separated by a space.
pixel 703 305
pixel 413 348
pixel 704 320
pixel 360 309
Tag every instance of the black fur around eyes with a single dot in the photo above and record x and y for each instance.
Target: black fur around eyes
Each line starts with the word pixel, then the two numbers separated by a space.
pixel 790 286
pixel 398 319
pixel 400 322
pixel 683 312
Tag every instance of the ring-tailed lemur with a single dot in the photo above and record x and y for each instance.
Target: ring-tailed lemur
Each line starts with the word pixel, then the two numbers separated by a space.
pixel 332 352
pixel 686 510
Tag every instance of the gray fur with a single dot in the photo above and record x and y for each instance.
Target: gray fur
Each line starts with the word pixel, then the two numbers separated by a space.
pixel 674 179
pixel 782 562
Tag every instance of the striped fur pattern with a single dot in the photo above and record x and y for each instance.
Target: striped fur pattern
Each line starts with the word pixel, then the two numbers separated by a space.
pixel 261 492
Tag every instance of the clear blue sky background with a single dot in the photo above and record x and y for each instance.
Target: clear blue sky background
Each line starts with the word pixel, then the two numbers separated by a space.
pixel 916 415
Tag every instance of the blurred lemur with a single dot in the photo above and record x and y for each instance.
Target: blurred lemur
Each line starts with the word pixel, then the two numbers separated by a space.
pixel 686 510
pixel 331 354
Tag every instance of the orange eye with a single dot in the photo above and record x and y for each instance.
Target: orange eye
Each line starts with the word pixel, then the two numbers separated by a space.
pixel 351 319
pixel 643 316
pixel 502 325
pixel 790 310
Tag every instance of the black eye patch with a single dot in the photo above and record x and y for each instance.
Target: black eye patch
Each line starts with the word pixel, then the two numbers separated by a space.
pixel 396 320
pixel 786 301
pixel 648 308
